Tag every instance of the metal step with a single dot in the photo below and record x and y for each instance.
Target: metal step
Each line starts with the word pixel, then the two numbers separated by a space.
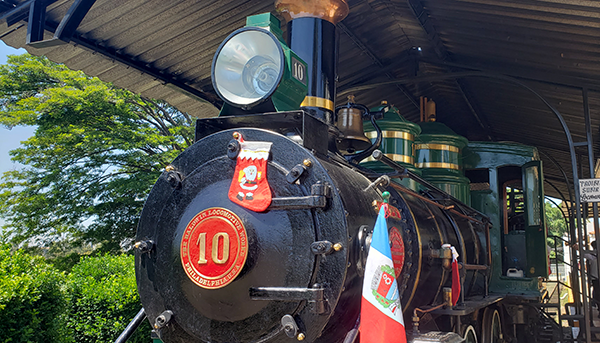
pixel 572 316
pixel 557 305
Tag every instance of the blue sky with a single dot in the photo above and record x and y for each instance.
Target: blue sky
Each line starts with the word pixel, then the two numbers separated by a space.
pixel 10 139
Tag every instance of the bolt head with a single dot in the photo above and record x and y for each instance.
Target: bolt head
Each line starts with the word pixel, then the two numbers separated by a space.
pixel 337 247
pixel 301 336
pixel 236 135
pixel 307 163
pixel 169 168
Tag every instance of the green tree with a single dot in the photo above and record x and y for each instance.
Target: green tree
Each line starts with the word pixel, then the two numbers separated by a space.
pixel 94 156
pixel 555 221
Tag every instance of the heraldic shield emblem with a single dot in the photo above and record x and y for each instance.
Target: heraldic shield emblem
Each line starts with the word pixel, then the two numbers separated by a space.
pixel 385 289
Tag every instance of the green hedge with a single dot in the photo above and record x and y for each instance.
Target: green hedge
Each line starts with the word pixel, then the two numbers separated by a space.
pixel 31 299
pixel 93 303
pixel 104 300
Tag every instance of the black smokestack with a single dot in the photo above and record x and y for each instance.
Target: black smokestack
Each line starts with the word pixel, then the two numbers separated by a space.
pixel 311 29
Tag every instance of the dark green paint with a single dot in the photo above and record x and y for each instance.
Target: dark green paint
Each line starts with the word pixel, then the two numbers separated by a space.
pixel 291 92
pixel 267 21
pixel 535 232
pixel 439 156
pixel 451 182
pixel 397 146
pixel 491 156
pixel 438 133
pixel 393 121
pixel 447 179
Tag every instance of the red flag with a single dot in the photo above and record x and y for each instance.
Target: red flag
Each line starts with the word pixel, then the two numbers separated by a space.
pixel 455 277
pixel 249 187
pixel 381 313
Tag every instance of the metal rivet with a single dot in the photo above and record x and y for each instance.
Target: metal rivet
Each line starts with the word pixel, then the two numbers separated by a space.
pixel 236 135
pixel 301 336
pixel 384 102
pixel 307 163
pixel 169 168
pixel 374 203
pixel 337 247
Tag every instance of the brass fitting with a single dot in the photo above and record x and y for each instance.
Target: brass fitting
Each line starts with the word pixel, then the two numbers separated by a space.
pixel 447 296
pixel 446 256
pixel 333 11
pixel 301 336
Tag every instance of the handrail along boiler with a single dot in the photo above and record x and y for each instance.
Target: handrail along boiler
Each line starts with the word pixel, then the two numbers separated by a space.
pixel 210 269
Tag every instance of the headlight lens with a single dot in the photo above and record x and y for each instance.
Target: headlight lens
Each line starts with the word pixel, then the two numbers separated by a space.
pixel 248 67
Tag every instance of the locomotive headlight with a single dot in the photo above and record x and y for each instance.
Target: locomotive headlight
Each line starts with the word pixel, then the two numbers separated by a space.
pixel 248 67
pixel 253 67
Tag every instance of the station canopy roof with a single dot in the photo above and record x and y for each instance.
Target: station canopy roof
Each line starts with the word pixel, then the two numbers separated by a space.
pixel 163 49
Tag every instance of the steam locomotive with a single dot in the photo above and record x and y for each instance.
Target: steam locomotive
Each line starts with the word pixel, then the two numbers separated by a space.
pixel 285 261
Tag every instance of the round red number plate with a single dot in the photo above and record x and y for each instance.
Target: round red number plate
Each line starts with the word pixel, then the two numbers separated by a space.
pixel 214 248
pixel 397 250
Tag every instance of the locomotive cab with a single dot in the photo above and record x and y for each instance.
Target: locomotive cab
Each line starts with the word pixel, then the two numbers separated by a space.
pixel 523 222
pixel 507 184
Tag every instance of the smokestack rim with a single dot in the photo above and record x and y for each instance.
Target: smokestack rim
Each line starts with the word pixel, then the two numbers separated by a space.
pixel 333 11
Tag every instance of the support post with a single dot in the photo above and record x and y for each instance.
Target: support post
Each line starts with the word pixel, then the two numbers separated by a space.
pixel 36 22
pixel 590 141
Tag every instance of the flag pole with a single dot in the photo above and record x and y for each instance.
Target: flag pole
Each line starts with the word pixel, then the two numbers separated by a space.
pixel 352 334
pixel 381 312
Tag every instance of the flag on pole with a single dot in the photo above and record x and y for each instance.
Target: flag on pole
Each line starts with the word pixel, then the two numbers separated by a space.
pixel 381 313
pixel 455 277
pixel 455 273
